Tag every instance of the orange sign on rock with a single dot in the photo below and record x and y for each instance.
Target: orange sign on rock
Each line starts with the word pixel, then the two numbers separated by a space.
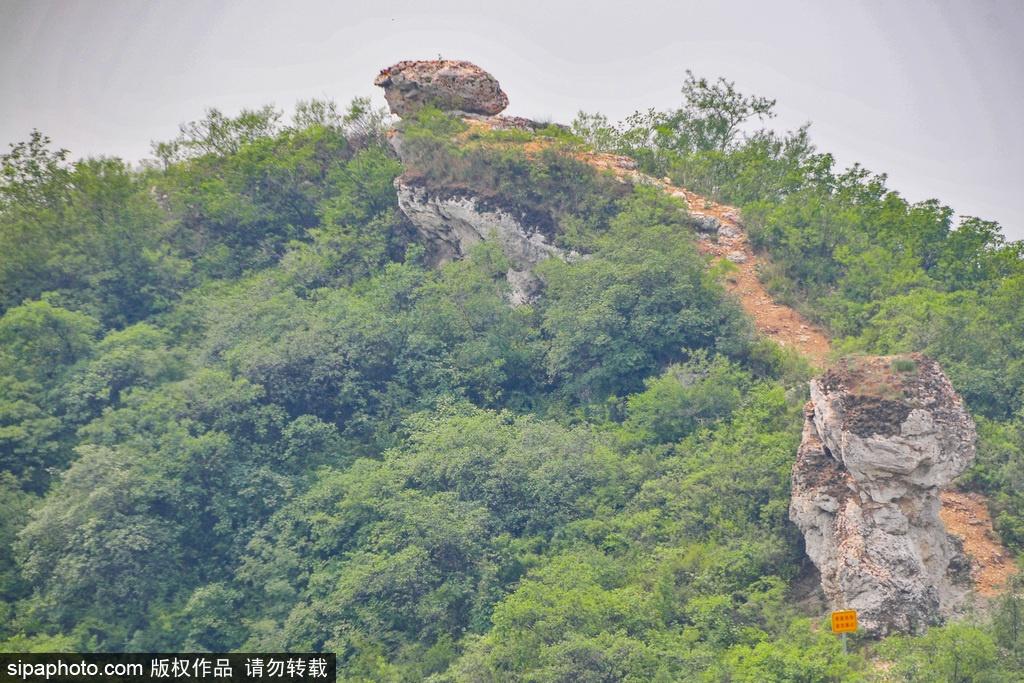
pixel 844 621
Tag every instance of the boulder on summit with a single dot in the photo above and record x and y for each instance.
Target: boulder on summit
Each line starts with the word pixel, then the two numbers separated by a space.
pixel 449 85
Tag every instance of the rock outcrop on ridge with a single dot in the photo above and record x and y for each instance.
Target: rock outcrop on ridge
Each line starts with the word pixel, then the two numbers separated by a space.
pixel 450 222
pixel 450 225
pixel 881 436
pixel 449 85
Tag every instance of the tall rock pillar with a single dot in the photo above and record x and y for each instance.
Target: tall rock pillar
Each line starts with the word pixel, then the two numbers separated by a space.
pixel 881 436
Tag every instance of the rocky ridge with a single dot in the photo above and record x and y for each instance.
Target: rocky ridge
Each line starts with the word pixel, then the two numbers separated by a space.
pixel 721 235
pixel 450 225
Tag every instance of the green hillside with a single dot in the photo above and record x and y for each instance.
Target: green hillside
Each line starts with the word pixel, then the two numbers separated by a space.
pixel 239 410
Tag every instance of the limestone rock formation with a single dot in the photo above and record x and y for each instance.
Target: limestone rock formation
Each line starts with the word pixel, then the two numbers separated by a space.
pixel 881 436
pixel 450 85
pixel 450 221
pixel 450 224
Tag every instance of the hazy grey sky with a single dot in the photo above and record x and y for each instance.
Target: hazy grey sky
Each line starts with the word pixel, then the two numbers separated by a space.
pixel 931 92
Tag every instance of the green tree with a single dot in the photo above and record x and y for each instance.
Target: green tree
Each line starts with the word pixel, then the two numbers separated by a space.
pixel 954 653
pixel 14 507
pixel 219 134
pixel 33 176
pixel 39 343
pixel 687 396
pixel 617 317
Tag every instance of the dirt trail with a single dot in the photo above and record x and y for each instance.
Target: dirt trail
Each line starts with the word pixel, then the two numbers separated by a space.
pixel 966 515
pixel 777 321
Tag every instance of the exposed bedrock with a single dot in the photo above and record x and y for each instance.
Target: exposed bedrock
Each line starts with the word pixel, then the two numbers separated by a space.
pixel 881 436
pixel 451 221
pixel 450 224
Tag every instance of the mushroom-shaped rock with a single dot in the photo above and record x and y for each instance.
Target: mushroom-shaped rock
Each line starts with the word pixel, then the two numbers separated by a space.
pixel 449 85
pixel 881 436
pixel 895 423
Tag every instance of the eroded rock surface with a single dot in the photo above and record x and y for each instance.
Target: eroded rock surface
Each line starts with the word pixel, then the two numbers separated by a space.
pixel 450 225
pixel 449 85
pixel 881 436
pixel 451 221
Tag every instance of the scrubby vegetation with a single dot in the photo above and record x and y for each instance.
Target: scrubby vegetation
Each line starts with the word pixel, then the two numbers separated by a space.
pixel 239 412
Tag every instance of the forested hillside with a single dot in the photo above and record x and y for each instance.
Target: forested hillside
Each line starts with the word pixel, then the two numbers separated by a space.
pixel 240 409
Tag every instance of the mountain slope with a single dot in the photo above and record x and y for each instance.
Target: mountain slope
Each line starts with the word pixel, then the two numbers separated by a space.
pixel 248 403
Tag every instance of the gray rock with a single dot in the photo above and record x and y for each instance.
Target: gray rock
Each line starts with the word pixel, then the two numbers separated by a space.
pixel 705 223
pixel 877 446
pixel 736 257
pixel 525 286
pixel 450 225
pixel 730 231
pixel 450 85
pixel 711 225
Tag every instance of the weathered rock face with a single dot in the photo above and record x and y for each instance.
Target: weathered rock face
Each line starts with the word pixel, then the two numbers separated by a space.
pixel 450 85
pixel 450 222
pixel 881 436
pixel 450 225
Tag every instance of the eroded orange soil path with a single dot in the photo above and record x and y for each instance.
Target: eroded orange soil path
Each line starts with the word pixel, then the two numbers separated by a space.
pixel 781 323
pixel 966 515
